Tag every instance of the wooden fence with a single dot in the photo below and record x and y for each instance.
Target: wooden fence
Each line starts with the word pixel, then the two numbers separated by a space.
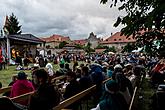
pixel 70 100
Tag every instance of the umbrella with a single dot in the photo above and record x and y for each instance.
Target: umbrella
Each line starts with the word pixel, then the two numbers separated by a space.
pixel 111 53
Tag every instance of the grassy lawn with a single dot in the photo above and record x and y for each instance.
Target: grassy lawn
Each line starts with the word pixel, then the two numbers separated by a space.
pixel 6 75
pixel 147 91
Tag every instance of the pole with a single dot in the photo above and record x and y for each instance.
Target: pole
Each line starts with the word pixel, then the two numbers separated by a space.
pixel 8 51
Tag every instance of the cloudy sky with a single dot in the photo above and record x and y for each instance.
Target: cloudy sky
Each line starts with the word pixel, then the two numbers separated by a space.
pixel 74 18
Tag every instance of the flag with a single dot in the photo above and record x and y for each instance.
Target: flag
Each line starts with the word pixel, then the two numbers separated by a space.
pixel 6 24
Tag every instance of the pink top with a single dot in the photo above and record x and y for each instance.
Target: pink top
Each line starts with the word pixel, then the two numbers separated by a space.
pixel 21 87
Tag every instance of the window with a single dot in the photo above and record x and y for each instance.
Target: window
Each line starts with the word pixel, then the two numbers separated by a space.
pixel 114 39
pixel 119 39
pixel 106 39
pixel 129 38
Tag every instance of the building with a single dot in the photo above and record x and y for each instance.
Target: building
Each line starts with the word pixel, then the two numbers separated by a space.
pixel 99 51
pixel 24 45
pixel 71 49
pixel 93 40
pixel 52 43
pixel 81 42
pixel 117 41
pixel 54 40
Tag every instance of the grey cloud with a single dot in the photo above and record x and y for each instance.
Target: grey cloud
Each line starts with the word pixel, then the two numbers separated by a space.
pixel 76 18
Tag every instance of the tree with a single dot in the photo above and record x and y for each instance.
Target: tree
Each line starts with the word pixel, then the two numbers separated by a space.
pixel 100 47
pixel 88 48
pixel 110 49
pixel 62 44
pixel 12 25
pixel 129 47
pixel 78 46
pixel 145 20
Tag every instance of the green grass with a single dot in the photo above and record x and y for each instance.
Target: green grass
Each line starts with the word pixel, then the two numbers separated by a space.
pixel 6 75
pixel 147 91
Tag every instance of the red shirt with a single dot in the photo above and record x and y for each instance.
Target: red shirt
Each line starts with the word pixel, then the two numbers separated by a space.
pixel 1 59
pixel 158 67
pixel 21 87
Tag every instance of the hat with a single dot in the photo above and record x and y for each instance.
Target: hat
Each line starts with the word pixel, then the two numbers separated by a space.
pixel 112 86
pixel 36 65
pixel 118 66
pixel 127 65
pixel 21 75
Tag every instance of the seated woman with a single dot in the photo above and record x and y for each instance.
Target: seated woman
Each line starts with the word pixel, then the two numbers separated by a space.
pixel 85 81
pixel 71 89
pixel 112 99
pixel 21 86
pixel 46 95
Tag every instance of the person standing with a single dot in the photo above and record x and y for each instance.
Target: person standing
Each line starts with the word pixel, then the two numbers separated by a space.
pixel 4 62
pixel 41 61
pixel 1 60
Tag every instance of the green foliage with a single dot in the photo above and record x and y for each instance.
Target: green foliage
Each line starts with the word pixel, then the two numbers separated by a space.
pixel 12 25
pixel 129 47
pixel 56 47
pixel 78 46
pixel 110 49
pixel 100 47
pixel 88 48
pixel 62 44
pixel 145 20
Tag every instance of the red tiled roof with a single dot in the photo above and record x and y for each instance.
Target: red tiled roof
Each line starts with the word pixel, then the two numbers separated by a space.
pixel 117 38
pixel 99 50
pixel 58 38
pixel 81 42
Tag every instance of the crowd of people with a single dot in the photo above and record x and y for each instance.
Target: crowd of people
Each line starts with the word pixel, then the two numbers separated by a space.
pixel 116 94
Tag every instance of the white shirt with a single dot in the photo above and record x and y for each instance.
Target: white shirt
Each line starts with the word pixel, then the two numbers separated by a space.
pixel 50 69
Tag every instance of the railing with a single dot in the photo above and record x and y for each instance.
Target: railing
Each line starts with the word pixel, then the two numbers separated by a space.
pixel 58 78
pixel 133 98
pixel 76 97
pixel 21 97
pixel 64 103
pixel 80 95
pixel 135 94
pixel 5 89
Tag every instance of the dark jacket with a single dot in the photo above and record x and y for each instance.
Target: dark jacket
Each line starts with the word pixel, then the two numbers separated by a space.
pixel 113 102
pixel 71 89
pixel 85 82
pixel 45 98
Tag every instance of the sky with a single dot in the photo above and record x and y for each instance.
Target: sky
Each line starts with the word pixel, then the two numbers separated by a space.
pixel 73 18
